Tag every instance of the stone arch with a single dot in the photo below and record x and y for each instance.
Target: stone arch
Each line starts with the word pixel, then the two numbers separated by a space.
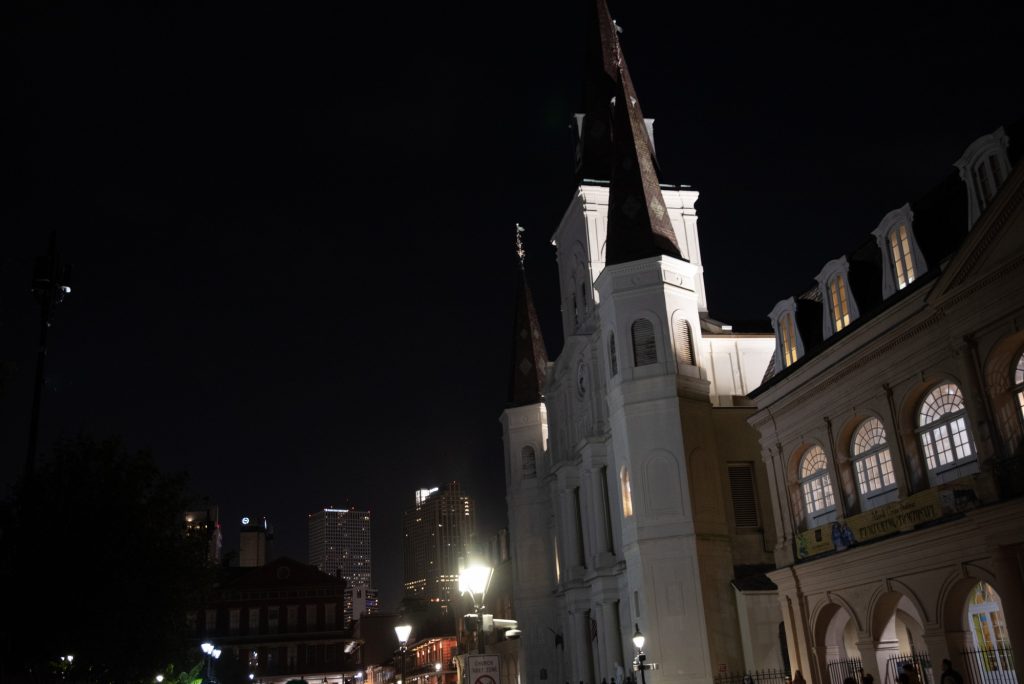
pixel 954 592
pixel 999 368
pixel 834 624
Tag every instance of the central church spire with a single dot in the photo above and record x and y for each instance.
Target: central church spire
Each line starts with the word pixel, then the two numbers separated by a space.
pixel 638 220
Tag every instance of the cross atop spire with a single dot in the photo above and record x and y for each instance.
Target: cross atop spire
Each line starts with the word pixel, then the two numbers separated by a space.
pixel 530 358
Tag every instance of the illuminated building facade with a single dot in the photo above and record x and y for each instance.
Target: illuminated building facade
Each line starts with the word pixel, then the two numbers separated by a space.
pixel 892 426
pixel 339 544
pixel 359 601
pixel 437 534
pixel 254 542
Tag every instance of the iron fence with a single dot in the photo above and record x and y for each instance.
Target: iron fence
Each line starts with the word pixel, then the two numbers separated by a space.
pixel 989 666
pixel 839 670
pixel 921 663
pixel 769 676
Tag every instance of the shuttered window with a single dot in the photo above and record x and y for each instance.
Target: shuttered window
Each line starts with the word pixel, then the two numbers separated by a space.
pixel 744 494
pixel 645 352
pixel 684 342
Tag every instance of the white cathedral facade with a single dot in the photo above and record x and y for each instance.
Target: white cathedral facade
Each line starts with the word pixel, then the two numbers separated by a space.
pixel 636 492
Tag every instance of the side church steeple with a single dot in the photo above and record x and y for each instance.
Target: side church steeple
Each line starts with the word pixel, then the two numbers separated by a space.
pixel 530 358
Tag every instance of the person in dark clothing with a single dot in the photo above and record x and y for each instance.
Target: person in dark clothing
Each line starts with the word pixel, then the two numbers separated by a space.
pixel 949 675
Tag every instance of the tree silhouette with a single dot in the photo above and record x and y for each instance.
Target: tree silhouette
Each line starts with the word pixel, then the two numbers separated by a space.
pixel 94 562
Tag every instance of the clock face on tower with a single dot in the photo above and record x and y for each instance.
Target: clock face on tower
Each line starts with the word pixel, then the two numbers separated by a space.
pixel 581 379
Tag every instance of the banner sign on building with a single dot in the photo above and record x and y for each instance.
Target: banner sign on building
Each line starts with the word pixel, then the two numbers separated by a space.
pixel 898 516
pixel 483 669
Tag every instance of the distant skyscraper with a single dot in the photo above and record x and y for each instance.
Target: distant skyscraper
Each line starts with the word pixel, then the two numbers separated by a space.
pixel 438 532
pixel 359 601
pixel 254 542
pixel 339 544
pixel 206 522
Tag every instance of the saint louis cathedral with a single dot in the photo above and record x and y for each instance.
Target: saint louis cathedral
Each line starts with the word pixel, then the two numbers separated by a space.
pixel 837 493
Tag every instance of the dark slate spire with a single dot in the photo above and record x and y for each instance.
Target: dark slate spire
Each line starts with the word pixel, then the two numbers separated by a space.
pixel 638 221
pixel 530 359
pixel 594 143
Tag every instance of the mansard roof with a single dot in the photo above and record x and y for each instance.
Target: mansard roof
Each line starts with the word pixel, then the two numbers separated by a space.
pixel 530 357
pixel 939 220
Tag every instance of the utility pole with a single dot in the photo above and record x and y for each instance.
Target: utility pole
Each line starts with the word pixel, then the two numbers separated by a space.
pixel 49 285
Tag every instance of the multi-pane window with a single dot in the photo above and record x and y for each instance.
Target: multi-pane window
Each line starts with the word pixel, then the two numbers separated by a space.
pixel 234 620
pixel 815 482
pixel 1018 382
pixel 645 351
pixel 254 621
pixel 902 259
pixel 942 424
pixel 988 176
pixel 310 617
pixel 839 302
pixel 787 338
pixel 872 460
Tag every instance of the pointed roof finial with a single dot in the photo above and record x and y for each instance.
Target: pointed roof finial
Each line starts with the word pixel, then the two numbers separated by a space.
pixel 520 249
pixel 530 358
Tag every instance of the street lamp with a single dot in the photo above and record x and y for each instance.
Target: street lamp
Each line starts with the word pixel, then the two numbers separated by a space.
pixel 437 669
pixel 639 663
pixel 474 580
pixel 402 632
pixel 159 678
pixel 212 653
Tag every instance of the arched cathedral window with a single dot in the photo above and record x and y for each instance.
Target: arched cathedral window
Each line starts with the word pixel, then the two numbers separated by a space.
pixel 942 426
pixel 627 493
pixel 815 483
pixel 645 351
pixel 872 461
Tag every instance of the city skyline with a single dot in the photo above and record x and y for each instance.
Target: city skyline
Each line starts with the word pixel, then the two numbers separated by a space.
pixel 250 222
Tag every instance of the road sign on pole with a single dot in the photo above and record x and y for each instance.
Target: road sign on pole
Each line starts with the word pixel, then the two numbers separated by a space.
pixel 483 669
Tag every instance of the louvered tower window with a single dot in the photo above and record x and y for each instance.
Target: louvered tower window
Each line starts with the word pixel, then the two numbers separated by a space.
pixel 684 342
pixel 744 494
pixel 529 463
pixel 645 352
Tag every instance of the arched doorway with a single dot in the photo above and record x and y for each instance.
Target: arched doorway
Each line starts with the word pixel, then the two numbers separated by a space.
pixel 987 655
pixel 836 644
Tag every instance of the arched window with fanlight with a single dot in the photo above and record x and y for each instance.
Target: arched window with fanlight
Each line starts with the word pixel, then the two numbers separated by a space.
pixel 1018 384
pixel 645 350
pixel 816 485
pixel 942 428
pixel 872 462
pixel 529 463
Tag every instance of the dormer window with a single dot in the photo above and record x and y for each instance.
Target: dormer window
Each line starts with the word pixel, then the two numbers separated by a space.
pixel 788 345
pixel 839 305
pixel 983 167
pixel 903 262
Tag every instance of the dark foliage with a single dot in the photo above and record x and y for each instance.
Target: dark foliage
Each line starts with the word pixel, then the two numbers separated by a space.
pixel 95 563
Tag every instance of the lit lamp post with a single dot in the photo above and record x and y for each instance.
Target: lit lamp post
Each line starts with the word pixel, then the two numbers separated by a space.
pixel 437 669
pixel 403 632
pixel 474 581
pixel 212 653
pixel 640 663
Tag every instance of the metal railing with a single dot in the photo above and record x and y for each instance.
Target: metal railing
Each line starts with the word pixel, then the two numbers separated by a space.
pixel 838 670
pixel 770 676
pixel 921 663
pixel 989 666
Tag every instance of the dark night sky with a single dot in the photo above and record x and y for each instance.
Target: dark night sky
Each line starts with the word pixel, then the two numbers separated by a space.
pixel 291 226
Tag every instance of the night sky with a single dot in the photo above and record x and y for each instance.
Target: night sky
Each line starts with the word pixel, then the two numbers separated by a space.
pixel 292 226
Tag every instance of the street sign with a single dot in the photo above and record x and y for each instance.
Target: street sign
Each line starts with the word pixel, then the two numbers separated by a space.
pixel 483 669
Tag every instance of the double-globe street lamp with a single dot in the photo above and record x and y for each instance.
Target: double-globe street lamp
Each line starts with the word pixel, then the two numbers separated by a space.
pixel 212 653
pixel 402 632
